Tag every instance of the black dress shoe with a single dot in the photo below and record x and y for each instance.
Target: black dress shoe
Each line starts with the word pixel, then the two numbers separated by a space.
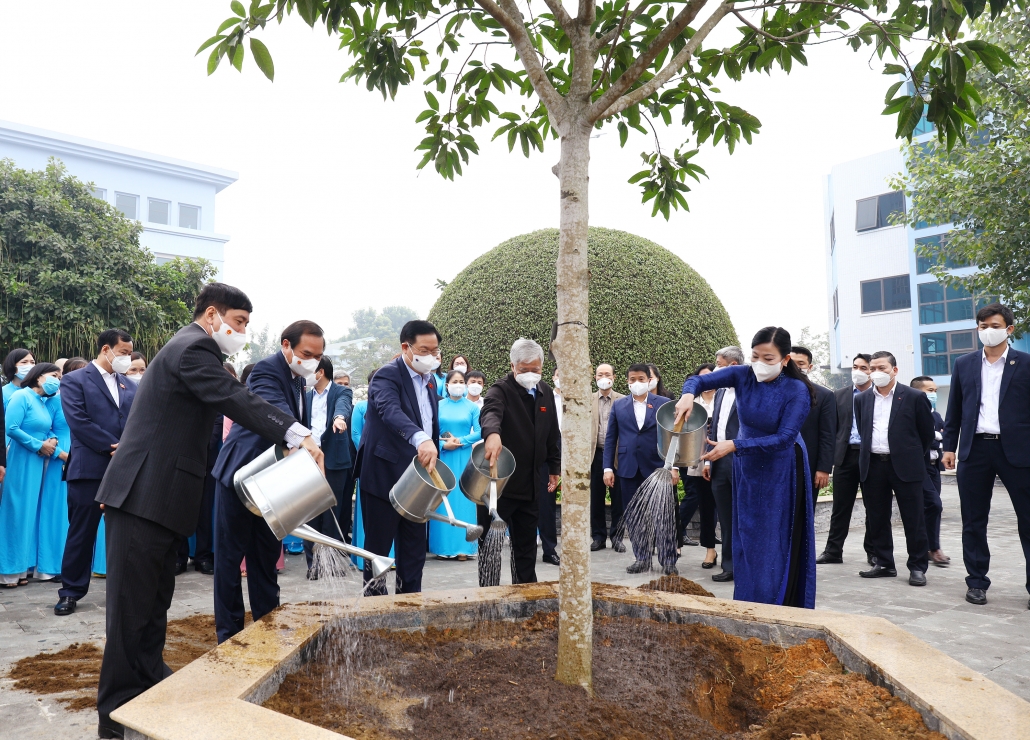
pixel 553 559
pixel 825 558
pixel 916 578
pixel 879 571
pixel 204 566
pixel 108 728
pixel 618 546
pixel 687 542
pixel 312 574
pixel 65 606
pixel 596 545
pixel 670 570
pixel 709 565
pixel 180 568
pixel 725 577
pixel 638 566
pixel 977 596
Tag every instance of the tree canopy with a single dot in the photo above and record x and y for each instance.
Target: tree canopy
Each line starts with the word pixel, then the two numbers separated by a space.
pixel 984 188
pixel 381 331
pixel 71 266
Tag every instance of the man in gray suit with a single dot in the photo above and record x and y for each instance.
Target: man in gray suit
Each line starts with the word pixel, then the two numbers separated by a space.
pixel 152 490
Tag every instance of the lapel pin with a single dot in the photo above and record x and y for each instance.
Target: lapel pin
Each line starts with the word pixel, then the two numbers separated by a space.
pixel 121 386
pixel 650 406
pixel 1012 362
pixel 544 409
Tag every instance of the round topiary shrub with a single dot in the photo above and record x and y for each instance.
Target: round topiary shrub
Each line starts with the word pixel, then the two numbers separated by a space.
pixel 646 305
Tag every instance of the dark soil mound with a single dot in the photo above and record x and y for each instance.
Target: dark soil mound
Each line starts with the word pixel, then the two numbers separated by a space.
pixel 495 681
pixel 677 585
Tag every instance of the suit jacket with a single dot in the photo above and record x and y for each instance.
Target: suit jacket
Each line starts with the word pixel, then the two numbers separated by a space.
pixel 335 445
pixel 820 431
pixel 1013 407
pixel 732 424
pixel 909 431
pixel 595 412
pixel 158 471
pixel 95 421
pixel 272 380
pixel 529 429
pixel 392 419
pixel 637 448
pixel 845 398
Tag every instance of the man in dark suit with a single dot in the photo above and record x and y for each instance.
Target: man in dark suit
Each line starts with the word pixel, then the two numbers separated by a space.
pixel 633 431
pixel 280 380
pixel 724 427
pixel 896 427
pixel 152 489
pixel 329 406
pixel 988 423
pixel 933 507
pixel 96 400
pixel 401 422
pixel 819 431
pixel 519 413
pixel 601 410
pixel 846 476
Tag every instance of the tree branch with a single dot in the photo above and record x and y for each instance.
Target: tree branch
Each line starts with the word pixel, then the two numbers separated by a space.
pixel 610 36
pixel 766 34
pixel 587 15
pixel 648 88
pixel 661 42
pixel 611 51
pixel 562 16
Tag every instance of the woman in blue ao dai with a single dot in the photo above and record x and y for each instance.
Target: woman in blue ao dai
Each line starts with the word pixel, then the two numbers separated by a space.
pixel 17 365
pixel 773 530
pixel 357 424
pixel 459 430
pixel 53 501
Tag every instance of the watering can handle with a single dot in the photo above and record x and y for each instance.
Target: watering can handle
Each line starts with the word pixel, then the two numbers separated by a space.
pixel 678 426
pixel 493 470
pixel 437 480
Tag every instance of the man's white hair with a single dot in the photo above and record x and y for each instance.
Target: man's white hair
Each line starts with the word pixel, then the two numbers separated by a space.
pixel 731 354
pixel 526 350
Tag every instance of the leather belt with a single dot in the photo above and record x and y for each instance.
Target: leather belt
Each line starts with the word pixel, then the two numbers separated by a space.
pixel 987 435
pixel 854 447
pixel 885 456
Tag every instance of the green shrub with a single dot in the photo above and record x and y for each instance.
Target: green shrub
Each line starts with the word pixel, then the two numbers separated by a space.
pixel 646 305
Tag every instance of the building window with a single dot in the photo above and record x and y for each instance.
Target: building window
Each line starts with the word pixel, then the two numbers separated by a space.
pixel 876 212
pixel 836 308
pixel 833 232
pixel 127 204
pixel 940 350
pixel 932 244
pixel 189 216
pixel 100 193
pixel 159 211
pixel 886 294
pixel 939 303
pixel 160 258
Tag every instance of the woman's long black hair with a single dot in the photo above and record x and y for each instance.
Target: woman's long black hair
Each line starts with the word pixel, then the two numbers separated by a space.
pixel 10 364
pixel 659 390
pixel 780 338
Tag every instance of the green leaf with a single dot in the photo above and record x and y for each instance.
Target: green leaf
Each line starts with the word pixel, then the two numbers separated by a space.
pixel 974 8
pixel 237 57
pixel 894 69
pixel 433 102
pixel 212 40
pixel 238 9
pixel 214 59
pixel 262 58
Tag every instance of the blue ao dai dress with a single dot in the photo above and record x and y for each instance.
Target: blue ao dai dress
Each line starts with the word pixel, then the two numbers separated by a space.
pixel 9 390
pixel 53 501
pixel 28 426
pixel 773 531
pixel 461 418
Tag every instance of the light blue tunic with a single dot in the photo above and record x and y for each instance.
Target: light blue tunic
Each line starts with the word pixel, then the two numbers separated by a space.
pixel 460 418
pixel 9 390
pixel 53 503
pixel 100 550
pixel 357 423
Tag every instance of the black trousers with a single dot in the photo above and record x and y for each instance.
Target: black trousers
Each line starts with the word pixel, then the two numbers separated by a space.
pixel 83 520
pixel 140 584
pixel 932 505
pixel 846 482
pixel 880 482
pixel 205 549
pixel 521 516
pixel 239 534
pixel 337 480
pixel 599 529
pixel 975 486
pixel 548 524
pixel 697 495
pixel 345 498
pixel 385 528
pixel 722 493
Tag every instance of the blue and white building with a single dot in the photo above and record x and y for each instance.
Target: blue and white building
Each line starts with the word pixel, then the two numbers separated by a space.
pixel 173 200
pixel 881 293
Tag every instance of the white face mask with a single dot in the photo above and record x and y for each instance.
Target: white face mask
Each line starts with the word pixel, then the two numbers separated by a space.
pixel 993 337
pixel 135 378
pixel 764 372
pixel 229 340
pixel 881 379
pixel 604 383
pixel 859 378
pixel 528 380
pixel 461 367
pixel 24 370
pixel 639 388
pixel 475 389
pixel 652 384
pixel 804 370
pixel 121 363
pixel 303 368
pixel 424 363
pixel 456 390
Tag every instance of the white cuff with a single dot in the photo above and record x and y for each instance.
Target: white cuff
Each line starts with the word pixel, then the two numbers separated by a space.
pixel 938 436
pixel 295 434
pixel 420 437
pixel 608 470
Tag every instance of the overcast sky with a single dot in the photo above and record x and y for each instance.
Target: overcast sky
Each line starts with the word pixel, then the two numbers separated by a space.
pixel 329 214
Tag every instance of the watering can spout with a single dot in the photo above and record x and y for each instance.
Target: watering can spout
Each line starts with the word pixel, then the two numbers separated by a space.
pixel 380 564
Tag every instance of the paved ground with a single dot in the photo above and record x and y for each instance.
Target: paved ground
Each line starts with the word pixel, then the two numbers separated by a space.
pixel 993 639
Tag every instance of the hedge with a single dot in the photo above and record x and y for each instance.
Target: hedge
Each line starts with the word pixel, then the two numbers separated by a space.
pixel 646 305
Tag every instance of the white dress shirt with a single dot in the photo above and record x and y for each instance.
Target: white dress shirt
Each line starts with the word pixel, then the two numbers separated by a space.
pixel 112 383
pixel 640 411
pixel 425 409
pixel 990 393
pixel 881 420
pixel 319 409
pixel 558 407
pixel 724 413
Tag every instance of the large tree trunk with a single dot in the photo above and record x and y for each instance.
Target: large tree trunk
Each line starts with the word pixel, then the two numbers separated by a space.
pixel 572 351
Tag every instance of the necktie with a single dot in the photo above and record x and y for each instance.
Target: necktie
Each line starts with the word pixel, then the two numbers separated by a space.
pixel 298 386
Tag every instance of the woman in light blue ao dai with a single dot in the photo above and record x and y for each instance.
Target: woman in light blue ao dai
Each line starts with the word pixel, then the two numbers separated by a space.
pixel 357 423
pixel 459 430
pixel 53 501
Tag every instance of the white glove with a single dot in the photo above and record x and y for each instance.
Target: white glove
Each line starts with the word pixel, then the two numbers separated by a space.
pixel 938 436
pixel 933 455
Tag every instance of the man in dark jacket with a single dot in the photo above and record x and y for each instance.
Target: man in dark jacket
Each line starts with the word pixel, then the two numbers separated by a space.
pixel 519 413
pixel 820 428
pixel 154 484
pixel 933 507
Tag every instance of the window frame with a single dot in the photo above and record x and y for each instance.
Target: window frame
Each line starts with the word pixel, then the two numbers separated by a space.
pixel 903 279
pixel 100 193
pixel 833 232
pixel 836 306
pixel 200 214
pixel 135 198
pixel 150 205
pixel 950 353
pixel 880 219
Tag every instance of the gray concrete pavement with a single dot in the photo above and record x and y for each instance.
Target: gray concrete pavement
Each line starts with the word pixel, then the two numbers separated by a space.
pixel 992 639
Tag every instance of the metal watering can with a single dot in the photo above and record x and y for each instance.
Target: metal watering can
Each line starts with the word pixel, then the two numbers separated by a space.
pixel 289 490
pixel 691 439
pixel 418 493
pixel 482 483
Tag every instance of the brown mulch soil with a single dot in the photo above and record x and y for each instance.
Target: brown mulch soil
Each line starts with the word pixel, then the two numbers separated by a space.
pixel 495 681
pixel 677 585
pixel 72 673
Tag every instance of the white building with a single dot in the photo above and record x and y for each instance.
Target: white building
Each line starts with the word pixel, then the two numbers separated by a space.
pixel 881 293
pixel 174 200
